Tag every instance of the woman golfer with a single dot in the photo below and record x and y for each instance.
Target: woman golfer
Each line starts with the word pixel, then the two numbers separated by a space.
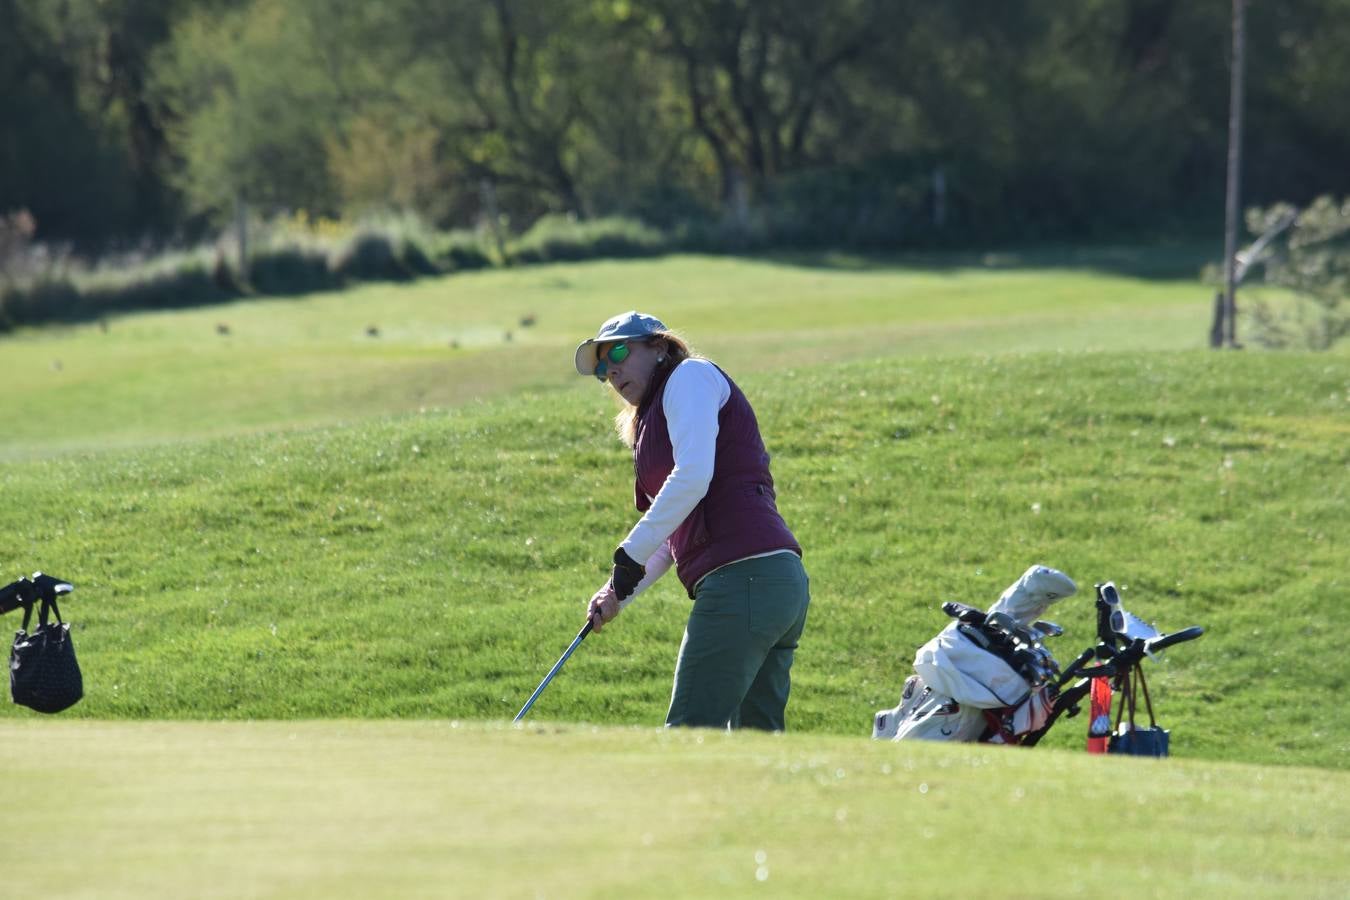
pixel 707 499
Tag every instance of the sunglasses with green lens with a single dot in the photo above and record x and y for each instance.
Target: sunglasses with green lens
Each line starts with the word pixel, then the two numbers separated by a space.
pixel 616 354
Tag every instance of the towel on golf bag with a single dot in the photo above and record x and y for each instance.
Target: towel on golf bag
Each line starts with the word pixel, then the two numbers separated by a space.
pixel 43 672
pixel 962 692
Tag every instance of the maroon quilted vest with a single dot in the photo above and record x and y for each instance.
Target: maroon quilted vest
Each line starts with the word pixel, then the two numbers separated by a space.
pixel 737 517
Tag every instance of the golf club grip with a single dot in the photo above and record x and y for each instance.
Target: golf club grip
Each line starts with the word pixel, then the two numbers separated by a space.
pixel 1105 670
pixel 1135 652
pixel 1176 637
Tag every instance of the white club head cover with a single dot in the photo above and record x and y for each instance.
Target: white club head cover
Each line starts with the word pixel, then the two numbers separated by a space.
pixel 1027 599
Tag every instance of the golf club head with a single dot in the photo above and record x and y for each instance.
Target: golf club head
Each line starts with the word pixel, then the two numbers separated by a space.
pixel 12 596
pixel 1000 621
pixel 50 588
pixel 1048 629
pixel 963 613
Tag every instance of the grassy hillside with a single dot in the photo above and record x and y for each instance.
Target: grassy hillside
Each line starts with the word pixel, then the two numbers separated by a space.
pixel 435 564
pixel 436 809
pixel 282 363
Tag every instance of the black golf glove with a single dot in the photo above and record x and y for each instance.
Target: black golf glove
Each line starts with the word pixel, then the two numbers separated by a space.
pixel 626 574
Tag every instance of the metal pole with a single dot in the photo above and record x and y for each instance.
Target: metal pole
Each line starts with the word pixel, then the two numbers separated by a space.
pixel 241 236
pixel 1232 208
pixel 576 642
pixel 487 193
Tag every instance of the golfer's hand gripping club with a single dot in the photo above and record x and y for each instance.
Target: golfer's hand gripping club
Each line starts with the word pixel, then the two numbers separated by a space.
pixel 623 581
pixel 604 606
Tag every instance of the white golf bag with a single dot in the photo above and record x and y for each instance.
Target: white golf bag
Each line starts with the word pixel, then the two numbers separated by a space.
pixel 986 676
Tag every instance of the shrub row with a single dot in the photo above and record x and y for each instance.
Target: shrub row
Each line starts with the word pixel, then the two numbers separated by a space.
pixel 206 276
pixel 563 239
pixel 294 264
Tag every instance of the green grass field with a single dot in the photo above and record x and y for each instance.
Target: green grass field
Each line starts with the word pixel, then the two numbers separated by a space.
pixel 437 809
pixel 298 521
pixel 287 363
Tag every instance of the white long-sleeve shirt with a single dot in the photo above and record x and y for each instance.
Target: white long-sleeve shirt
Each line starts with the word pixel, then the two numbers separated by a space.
pixel 692 399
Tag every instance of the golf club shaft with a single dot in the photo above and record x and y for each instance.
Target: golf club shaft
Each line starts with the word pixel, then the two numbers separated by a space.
pixel 576 641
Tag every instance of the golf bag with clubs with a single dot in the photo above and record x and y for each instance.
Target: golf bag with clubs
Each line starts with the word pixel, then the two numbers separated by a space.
pixel 43 672
pixel 988 677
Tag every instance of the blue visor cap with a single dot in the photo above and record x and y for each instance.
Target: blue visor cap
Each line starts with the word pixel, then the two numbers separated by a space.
pixel 625 326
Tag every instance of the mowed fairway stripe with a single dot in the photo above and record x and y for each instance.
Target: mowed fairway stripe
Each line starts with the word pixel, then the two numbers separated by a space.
pixel 439 809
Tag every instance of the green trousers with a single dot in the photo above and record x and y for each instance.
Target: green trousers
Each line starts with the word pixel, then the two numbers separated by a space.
pixel 738 646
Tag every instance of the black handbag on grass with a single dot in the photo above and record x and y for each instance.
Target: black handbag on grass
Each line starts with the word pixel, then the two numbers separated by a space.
pixel 43 673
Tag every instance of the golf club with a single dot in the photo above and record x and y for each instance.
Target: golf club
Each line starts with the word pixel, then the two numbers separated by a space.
pixel 576 641
pixel 25 592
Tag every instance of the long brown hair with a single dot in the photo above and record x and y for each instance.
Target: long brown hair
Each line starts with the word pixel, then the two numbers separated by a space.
pixel 677 351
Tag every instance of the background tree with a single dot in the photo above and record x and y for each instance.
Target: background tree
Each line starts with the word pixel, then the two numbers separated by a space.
pixel 254 107
pixel 56 159
pixel 502 83
pixel 853 120
pixel 757 75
